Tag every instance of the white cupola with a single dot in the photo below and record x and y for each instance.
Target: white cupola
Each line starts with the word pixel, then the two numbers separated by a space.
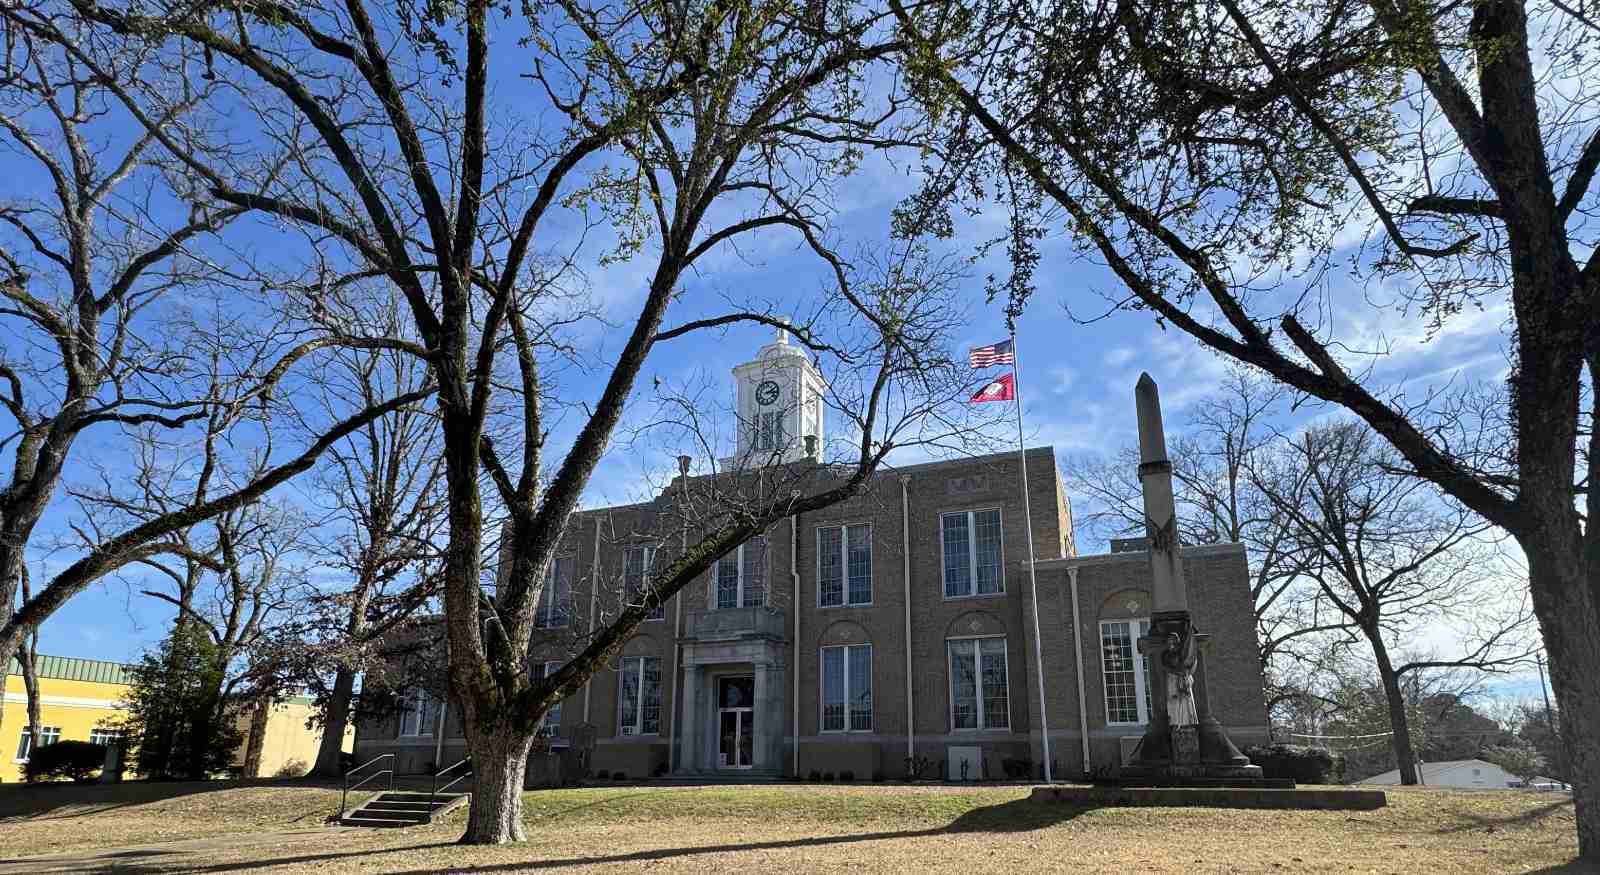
pixel 778 402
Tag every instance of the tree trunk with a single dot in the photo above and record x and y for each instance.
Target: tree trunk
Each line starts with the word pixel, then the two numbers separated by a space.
pixel 499 764
pixel 1399 725
pixel 334 723
pixel 11 545
pixel 26 656
pixel 1563 599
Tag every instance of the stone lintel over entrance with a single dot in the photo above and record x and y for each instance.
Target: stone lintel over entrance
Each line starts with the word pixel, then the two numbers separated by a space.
pixel 733 714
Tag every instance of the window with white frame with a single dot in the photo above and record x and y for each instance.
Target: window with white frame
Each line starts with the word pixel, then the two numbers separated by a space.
pixel 552 718
pixel 970 541
pixel 847 688
pixel 107 737
pixel 741 576
pixel 555 603
pixel 1125 671
pixel 418 713
pixel 47 735
pixel 641 696
pixel 844 565
pixel 637 562
pixel 978 694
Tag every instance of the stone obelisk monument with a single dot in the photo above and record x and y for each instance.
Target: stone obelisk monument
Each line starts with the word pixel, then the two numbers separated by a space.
pixel 1182 741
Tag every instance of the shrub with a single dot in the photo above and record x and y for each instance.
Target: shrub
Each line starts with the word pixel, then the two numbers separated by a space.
pixel 815 776
pixel 919 767
pixel 603 774
pixel 661 770
pixel 1016 769
pixel 619 776
pixel 847 776
pixel 877 777
pixel 78 760
pixel 827 777
pixel 1304 765
pixel 293 769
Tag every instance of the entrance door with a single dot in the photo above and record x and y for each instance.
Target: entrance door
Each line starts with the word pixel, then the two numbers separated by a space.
pixel 736 722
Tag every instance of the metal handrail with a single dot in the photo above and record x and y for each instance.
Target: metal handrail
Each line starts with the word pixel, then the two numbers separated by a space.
pixel 433 794
pixel 345 793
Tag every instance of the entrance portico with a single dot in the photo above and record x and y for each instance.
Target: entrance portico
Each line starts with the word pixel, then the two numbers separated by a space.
pixel 732 716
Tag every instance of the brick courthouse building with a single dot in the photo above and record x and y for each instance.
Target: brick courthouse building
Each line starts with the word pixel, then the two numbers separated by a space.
pixel 897 624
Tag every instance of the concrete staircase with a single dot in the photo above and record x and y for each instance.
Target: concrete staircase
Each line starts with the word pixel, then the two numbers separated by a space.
pixel 396 809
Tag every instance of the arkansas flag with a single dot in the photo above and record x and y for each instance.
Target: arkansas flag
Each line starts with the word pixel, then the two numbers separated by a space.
pixel 1002 389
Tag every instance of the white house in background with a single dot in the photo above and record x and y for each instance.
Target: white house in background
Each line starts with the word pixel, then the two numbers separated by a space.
pixel 1467 774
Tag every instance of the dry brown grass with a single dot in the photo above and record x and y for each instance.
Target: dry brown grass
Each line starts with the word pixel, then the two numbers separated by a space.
pixel 884 829
pixel 43 818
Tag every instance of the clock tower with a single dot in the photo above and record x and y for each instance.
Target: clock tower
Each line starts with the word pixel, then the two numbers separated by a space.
pixel 778 402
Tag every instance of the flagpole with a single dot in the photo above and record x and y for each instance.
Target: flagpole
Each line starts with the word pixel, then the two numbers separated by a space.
pixel 1033 577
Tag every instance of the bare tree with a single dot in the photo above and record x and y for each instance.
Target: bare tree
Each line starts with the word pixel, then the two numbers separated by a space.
pixel 686 128
pixel 88 262
pixel 1218 157
pixel 1392 557
pixel 84 263
pixel 383 494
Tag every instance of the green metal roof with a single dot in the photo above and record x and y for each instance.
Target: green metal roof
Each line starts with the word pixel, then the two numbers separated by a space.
pixel 67 668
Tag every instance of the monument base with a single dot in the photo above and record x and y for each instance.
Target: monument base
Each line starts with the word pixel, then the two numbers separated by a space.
pixel 1312 798
pixel 1218 776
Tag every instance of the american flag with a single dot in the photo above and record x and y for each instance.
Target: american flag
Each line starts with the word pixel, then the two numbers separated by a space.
pixel 993 354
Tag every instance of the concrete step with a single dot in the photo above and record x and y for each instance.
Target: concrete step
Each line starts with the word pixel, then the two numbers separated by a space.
pixel 399 796
pixel 376 822
pixel 392 810
pixel 424 806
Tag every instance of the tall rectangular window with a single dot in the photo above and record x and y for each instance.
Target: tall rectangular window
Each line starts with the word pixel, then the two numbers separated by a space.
pixel 847 688
pixel 47 735
pixel 1124 670
pixel 769 431
pixel 419 711
pixel 555 603
pixel 741 576
pixel 979 697
pixel 844 565
pixel 970 545
pixel 641 696
pixel 637 563
pixel 552 718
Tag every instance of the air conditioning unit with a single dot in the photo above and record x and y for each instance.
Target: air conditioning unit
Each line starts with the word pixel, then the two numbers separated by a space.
pixel 1130 747
pixel 963 763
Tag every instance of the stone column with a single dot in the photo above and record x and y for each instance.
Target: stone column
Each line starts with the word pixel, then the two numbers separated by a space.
pixel 690 725
pixel 769 714
pixel 760 750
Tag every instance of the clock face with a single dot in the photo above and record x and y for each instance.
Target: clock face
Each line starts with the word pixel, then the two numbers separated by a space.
pixel 766 392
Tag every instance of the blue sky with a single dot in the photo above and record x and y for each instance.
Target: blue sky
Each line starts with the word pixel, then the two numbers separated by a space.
pixel 1077 379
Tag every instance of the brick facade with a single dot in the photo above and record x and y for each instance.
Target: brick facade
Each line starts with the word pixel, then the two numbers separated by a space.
pixel 780 643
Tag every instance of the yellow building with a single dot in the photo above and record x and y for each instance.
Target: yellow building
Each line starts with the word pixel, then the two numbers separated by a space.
pixel 277 742
pixel 81 699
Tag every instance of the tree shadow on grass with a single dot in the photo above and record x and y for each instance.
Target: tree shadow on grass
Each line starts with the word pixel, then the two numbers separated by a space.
pixel 1017 816
pixel 1531 816
pixel 60 799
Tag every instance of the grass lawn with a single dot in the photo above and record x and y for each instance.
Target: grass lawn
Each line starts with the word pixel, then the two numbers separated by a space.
pixel 818 829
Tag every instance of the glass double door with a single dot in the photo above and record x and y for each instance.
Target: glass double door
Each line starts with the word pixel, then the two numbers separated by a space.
pixel 736 722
